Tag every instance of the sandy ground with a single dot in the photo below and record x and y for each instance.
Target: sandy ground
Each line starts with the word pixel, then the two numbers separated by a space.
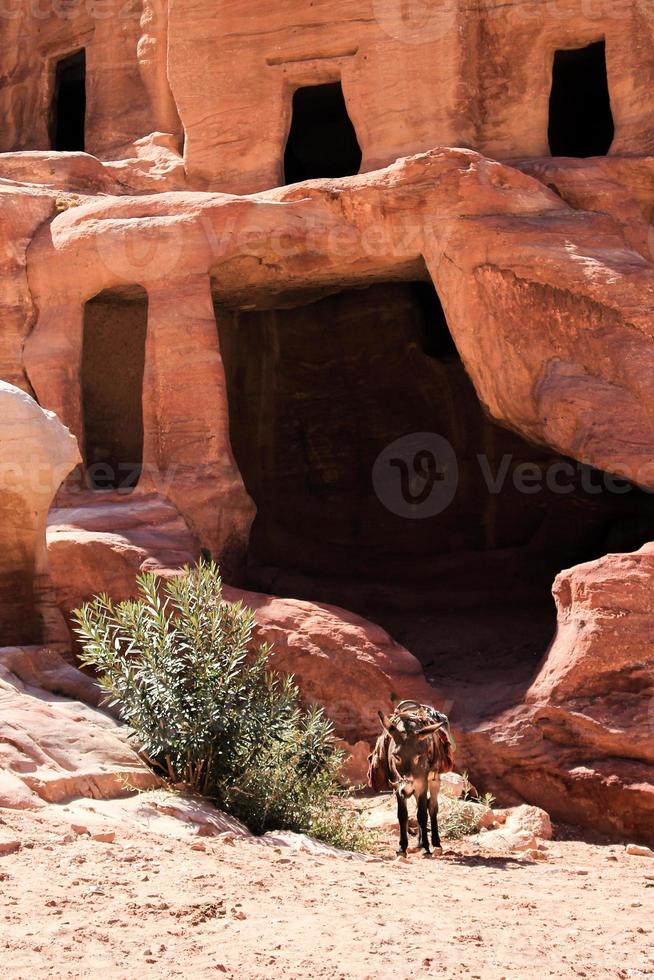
pixel 146 906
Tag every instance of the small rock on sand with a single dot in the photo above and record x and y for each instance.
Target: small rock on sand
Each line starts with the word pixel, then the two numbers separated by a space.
pixel 9 845
pixel 105 837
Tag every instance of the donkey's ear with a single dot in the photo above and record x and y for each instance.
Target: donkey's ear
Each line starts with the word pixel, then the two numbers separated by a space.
pixel 385 721
pixel 430 729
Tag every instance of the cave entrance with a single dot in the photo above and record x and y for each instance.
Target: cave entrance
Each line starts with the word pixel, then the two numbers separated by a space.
pixel 113 361
pixel 319 394
pixel 322 141
pixel 68 108
pixel 580 121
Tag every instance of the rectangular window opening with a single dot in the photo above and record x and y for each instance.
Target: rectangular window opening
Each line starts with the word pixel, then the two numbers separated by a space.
pixel 68 107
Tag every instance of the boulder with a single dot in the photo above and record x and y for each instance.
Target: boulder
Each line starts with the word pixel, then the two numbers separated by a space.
pixel 54 748
pixel 603 644
pixel 517 828
pixel 102 546
pixel 580 743
pixel 8 845
pixel 638 850
pixel 36 453
pixel 47 668
pixel 341 661
pixel 525 819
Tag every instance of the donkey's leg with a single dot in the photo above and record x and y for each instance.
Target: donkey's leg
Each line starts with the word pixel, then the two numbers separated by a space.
pixel 423 817
pixel 403 820
pixel 434 786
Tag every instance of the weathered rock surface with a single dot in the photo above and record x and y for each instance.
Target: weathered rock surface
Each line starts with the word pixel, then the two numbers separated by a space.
pixel 412 77
pixel 602 645
pixel 95 547
pixel 47 668
pixel 453 74
pixel 36 453
pixel 117 104
pixel 22 214
pixel 151 164
pixel 622 187
pixel 582 743
pixel 519 828
pixel 170 815
pixel 8 845
pixel 637 850
pixel 349 665
pixel 182 818
pixel 502 249
pixel 53 747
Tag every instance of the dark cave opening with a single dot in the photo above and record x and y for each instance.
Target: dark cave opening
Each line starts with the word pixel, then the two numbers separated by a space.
pixel 113 361
pixel 580 119
pixel 322 141
pixel 68 108
pixel 319 394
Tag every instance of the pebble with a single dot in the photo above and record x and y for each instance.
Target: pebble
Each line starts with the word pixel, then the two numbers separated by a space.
pixel 9 845
pixel 105 837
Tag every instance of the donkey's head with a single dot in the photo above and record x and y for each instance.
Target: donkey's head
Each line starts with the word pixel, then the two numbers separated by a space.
pixel 410 753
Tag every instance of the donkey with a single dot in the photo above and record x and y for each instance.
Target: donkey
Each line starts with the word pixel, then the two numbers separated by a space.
pixel 409 757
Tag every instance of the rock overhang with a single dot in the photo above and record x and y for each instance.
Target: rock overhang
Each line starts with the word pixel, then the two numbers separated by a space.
pixel 502 249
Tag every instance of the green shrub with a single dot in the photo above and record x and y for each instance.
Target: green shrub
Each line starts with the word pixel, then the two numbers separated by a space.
pixel 175 663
